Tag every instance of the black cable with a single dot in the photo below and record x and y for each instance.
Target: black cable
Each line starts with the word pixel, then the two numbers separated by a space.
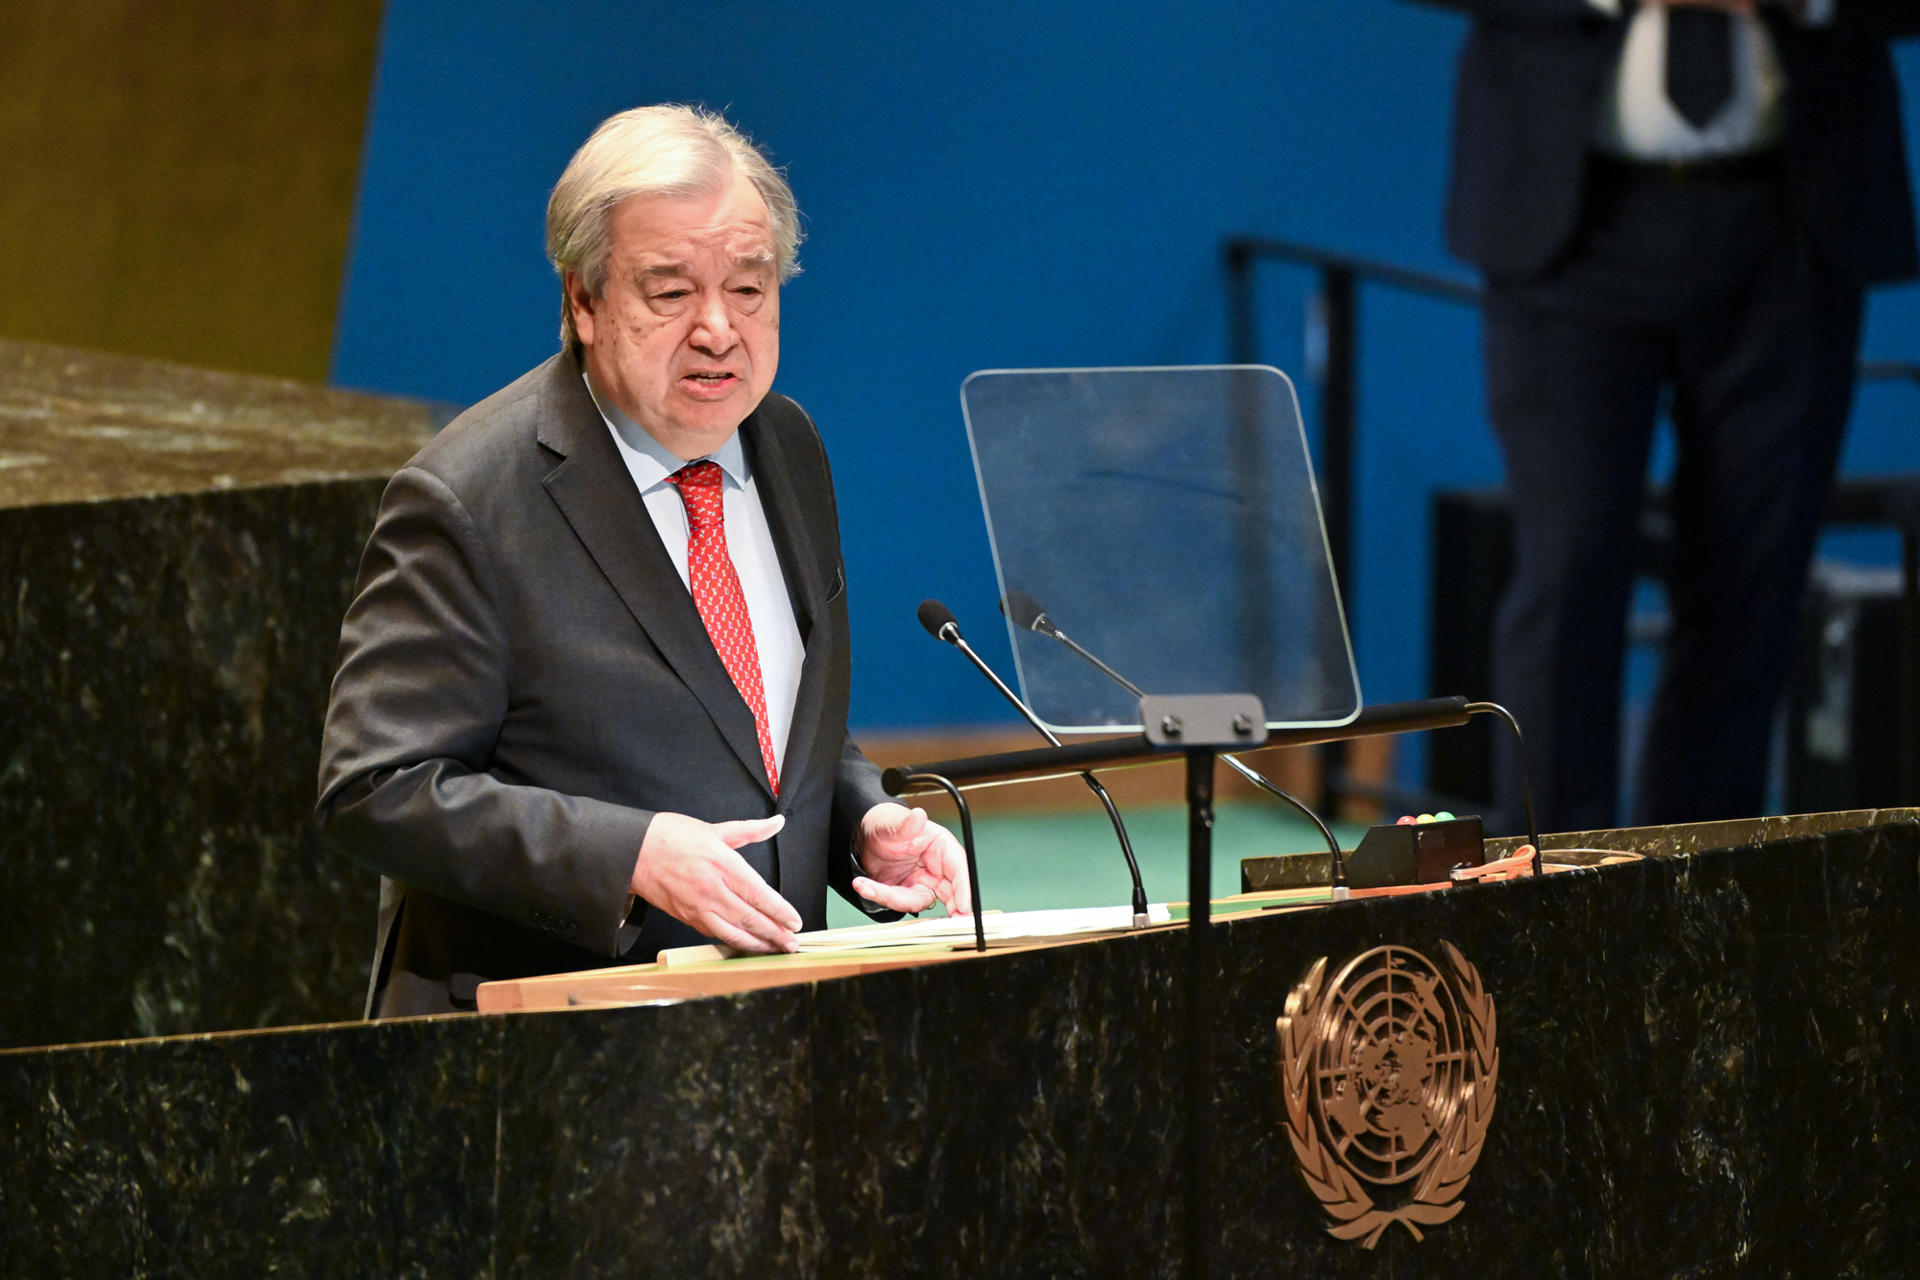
pixel 966 843
pixel 1333 845
pixel 1526 784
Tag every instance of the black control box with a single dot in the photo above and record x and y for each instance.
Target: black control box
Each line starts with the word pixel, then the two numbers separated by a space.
pixel 1415 853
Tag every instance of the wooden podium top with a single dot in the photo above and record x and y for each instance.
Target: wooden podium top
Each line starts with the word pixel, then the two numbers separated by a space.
pixel 692 972
pixel 704 971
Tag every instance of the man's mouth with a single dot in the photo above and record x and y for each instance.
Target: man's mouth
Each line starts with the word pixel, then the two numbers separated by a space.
pixel 710 379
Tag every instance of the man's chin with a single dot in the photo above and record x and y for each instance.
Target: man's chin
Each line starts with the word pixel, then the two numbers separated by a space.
pixel 697 434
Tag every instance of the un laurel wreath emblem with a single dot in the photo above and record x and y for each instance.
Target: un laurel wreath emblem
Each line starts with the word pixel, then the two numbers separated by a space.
pixel 1387 1078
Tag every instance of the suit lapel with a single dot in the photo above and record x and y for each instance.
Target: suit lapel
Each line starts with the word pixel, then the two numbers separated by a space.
pixel 596 494
pixel 774 471
pixel 773 474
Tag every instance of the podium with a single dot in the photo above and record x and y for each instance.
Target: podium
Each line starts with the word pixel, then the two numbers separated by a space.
pixel 178 546
pixel 1707 1068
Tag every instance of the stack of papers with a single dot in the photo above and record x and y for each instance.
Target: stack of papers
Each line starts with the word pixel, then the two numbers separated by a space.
pixel 1001 926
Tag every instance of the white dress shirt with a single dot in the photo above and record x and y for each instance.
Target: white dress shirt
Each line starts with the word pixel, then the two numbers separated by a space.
pixel 1636 120
pixel 749 543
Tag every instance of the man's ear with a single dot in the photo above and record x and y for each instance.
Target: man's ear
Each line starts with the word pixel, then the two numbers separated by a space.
pixel 579 306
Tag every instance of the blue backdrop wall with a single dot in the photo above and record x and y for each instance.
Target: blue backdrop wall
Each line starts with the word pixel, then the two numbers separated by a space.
pixel 986 185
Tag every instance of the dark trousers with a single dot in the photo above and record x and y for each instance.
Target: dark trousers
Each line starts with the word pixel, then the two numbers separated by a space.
pixel 1694 292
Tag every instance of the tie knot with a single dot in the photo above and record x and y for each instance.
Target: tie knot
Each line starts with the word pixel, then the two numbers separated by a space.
pixel 699 486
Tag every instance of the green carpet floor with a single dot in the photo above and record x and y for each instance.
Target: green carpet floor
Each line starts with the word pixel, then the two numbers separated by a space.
pixel 1071 859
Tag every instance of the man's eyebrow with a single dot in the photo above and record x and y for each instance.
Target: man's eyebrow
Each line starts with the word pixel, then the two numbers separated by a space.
pixel 663 270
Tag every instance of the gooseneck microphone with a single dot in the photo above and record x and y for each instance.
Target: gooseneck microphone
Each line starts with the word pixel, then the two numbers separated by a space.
pixel 942 625
pixel 1023 611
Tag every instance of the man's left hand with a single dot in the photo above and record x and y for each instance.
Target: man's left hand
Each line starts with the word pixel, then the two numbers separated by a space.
pixel 910 862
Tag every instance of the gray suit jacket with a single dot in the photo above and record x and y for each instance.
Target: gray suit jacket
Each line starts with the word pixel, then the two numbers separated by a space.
pixel 524 682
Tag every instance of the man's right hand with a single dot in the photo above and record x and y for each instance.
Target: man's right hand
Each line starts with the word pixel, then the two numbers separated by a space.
pixel 688 869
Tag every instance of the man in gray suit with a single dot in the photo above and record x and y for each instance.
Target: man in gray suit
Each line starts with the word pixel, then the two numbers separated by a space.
pixel 592 692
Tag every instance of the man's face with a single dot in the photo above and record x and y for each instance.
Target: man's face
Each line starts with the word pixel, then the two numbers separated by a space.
pixel 685 334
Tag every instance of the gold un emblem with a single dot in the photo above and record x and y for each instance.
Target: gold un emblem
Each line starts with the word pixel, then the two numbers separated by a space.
pixel 1387 1078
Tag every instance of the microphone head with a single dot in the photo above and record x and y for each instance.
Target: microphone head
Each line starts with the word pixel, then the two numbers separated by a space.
pixel 936 618
pixel 1023 611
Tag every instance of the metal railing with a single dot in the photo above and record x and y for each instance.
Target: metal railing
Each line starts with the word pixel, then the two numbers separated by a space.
pixel 1333 334
pixel 1334 326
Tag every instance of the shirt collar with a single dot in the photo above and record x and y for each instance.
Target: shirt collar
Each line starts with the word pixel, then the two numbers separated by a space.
pixel 652 462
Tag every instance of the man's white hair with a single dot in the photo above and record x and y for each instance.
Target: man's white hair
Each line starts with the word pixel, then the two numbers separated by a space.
pixel 668 150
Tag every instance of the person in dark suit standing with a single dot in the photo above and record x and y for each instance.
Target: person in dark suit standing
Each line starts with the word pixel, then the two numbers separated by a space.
pixel 593 685
pixel 1678 203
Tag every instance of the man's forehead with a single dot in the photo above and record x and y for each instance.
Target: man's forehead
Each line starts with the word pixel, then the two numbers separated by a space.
pixel 662 260
pixel 655 254
pixel 732 221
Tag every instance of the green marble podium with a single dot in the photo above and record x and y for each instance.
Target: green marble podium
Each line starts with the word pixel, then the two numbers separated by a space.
pixel 1707 1069
pixel 177 547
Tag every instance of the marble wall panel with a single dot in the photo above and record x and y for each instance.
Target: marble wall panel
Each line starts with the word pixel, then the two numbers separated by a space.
pixel 166 666
pixel 360 1150
pixel 177 547
pixel 668 1141
pixel 1704 1071
pixel 1024 1115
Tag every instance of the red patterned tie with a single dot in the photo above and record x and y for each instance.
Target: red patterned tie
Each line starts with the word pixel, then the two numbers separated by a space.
pixel 716 593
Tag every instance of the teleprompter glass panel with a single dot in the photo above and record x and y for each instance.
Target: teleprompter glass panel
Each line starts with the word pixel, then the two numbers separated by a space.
pixel 1163 523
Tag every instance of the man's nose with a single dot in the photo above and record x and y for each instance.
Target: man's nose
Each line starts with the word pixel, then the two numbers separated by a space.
pixel 713 330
